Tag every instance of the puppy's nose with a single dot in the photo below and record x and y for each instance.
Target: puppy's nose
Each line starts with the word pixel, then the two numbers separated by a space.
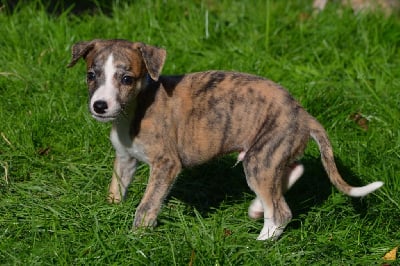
pixel 100 106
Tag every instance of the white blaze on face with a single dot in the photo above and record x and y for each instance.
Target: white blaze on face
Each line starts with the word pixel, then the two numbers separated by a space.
pixel 107 92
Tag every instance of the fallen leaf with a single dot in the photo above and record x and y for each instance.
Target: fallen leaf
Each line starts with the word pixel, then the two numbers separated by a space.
pixel 44 151
pixel 227 232
pixel 304 16
pixel 391 255
pixel 360 120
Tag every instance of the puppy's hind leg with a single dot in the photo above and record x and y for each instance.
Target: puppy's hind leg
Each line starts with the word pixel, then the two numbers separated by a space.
pixel 295 172
pixel 256 209
pixel 266 182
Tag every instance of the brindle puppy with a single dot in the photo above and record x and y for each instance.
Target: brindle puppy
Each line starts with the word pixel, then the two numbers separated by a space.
pixel 170 122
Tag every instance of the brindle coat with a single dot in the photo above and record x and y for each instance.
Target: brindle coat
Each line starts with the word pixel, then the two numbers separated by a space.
pixel 172 122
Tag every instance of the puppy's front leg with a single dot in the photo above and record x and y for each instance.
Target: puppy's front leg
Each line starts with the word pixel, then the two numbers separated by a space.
pixel 124 168
pixel 162 176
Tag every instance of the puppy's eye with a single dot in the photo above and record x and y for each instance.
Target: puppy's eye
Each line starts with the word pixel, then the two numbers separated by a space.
pixel 91 76
pixel 127 80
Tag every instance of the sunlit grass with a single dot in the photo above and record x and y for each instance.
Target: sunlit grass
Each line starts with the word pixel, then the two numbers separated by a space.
pixel 56 161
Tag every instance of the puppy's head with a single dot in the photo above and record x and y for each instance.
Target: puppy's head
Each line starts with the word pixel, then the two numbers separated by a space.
pixel 116 71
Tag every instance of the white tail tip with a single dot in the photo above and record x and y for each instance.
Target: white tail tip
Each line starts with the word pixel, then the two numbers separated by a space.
pixel 362 191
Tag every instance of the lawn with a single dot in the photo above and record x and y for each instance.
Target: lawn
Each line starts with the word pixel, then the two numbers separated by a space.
pixel 56 161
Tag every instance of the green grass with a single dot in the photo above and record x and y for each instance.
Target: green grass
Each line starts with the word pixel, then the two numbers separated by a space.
pixel 56 161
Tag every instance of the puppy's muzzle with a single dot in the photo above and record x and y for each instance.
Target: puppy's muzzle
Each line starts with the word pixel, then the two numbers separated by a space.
pixel 104 111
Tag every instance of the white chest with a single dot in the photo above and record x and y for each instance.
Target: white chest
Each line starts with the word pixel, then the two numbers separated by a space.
pixel 125 146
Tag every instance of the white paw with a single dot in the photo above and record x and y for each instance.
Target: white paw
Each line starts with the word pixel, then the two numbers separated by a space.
pixel 256 209
pixel 270 230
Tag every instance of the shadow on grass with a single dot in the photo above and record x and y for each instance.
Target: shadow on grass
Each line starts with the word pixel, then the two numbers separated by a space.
pixel 205 187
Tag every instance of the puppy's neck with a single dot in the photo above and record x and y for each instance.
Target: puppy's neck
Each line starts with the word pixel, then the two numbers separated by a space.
pixel 125 122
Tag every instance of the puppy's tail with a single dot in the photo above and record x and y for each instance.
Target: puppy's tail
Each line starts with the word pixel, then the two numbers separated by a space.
pixel 319 134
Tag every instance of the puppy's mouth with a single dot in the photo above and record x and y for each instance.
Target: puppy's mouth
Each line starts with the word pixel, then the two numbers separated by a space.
pixel 104 117
pixel 103 111
pixel 110 113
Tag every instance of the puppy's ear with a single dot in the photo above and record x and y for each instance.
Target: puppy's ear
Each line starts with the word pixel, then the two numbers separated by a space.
pixel 154 59
pixel 81 49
